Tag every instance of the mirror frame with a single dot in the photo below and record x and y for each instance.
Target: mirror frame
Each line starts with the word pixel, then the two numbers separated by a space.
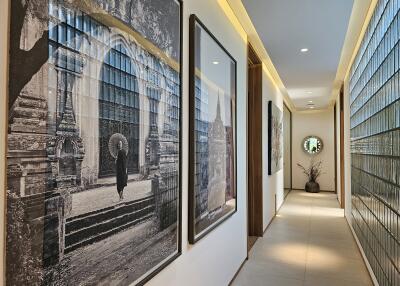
pixel 307 138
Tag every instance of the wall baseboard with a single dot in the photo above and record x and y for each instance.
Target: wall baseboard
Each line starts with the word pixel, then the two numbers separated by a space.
pixel 360 248
pixel 324 191
pixel 244 261
pixel 269 224
pixel 276 212
pixel 237 272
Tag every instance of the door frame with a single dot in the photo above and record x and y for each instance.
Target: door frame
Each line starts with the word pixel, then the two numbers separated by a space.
pixel 291 150
pixel 335 140
pixel 254 143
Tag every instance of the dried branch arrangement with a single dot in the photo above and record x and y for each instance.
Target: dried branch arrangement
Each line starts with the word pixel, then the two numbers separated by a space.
pixel 313 171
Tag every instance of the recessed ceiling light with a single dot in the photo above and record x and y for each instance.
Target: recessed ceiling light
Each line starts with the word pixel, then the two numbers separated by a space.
pixel 215 62
pixel 309 92
pixel 310 101
pixel 312 107
pixel 304 50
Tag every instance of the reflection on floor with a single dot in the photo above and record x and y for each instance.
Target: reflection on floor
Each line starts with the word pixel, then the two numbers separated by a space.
pixel 308 243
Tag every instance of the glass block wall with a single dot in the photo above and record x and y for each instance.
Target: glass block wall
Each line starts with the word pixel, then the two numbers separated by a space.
pixel 375 142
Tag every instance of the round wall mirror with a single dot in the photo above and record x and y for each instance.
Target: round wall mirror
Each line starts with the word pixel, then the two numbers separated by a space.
pixel 312 145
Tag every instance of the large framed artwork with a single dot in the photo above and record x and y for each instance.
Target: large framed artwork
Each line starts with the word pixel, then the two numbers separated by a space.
pixel 275 138
pixel 94 141
pixel 212 191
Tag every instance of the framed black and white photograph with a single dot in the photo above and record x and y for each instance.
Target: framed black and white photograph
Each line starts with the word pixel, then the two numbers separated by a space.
pixel 275 138
pixel 212 191
pixel 94 141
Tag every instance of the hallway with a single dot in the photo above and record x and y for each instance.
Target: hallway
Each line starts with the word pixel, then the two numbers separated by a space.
pixel 224 113
pixel 308 243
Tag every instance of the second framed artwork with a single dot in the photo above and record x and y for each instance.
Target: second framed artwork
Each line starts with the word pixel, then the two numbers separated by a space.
pixel 212 171
pixel 275 139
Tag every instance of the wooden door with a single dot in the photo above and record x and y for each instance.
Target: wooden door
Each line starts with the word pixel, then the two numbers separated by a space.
pixel 255 186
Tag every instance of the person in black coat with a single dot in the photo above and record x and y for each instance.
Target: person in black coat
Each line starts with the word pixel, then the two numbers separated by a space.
pixel 121 170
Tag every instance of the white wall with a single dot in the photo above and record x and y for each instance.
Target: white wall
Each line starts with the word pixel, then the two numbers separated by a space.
pixel 272 185
pixel 214 260
pixel 321 124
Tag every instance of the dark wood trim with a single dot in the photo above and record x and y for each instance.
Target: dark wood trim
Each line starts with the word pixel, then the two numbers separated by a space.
pixel 253 58
pixel 342 167
pixel 237 272
pixel 291 148
pixel 193 20
pixel 255 181
pixel 335 144
pixel 254 125
pixel 180 125
pixel 191 204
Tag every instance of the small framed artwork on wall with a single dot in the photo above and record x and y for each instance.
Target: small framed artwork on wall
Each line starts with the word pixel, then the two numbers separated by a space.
pixel 212 174
pixel 275 139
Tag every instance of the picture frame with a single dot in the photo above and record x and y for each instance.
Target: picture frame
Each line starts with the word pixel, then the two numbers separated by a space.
pixel 62 198
pixel 275 139
pixel 212 140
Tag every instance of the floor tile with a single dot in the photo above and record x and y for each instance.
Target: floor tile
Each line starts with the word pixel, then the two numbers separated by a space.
pixel 318 281
pixel 308 243
pixel 268 281
pixel 267 267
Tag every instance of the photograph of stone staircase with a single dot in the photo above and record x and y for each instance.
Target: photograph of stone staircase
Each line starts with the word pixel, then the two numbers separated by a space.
pixel 88 228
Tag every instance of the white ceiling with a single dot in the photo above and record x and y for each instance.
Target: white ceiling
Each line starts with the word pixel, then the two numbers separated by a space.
pixel 287 26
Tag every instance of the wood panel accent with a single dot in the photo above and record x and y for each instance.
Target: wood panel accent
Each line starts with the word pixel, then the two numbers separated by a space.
pixel 336 144
pixel 255 171
pixel 253 59
pixel 286 109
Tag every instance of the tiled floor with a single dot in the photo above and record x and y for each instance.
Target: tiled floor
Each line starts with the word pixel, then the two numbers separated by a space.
pixel 308 243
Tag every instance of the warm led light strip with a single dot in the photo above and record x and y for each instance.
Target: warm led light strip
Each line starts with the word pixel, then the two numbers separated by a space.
pixel 239 18
pixel 234 20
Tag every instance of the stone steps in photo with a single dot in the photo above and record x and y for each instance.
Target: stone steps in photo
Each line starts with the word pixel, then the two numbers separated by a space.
pixel 88 228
